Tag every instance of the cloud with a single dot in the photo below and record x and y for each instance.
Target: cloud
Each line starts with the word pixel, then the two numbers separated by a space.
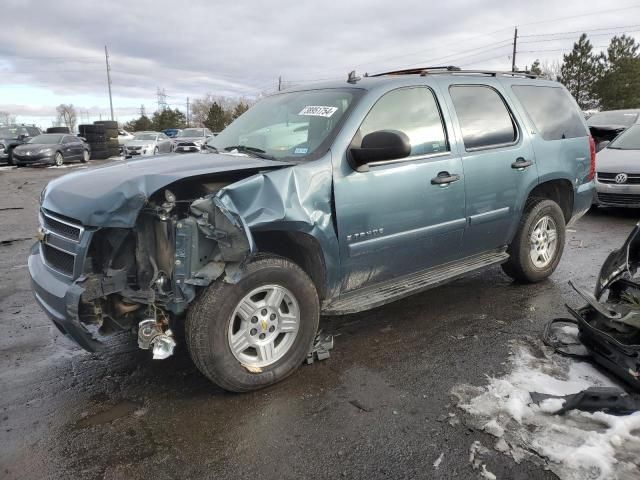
pixel 237 48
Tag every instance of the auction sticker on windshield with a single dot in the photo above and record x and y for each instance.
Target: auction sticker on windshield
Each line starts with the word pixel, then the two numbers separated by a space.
pixel 318 111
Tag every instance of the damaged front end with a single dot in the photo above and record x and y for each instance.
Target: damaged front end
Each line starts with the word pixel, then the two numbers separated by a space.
pixel 609 324
pixel 139 277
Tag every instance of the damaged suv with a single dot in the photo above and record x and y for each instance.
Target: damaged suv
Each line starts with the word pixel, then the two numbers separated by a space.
pixel 329 200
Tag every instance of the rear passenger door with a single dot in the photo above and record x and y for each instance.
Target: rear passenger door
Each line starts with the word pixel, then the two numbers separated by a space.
pixel 498 162
pixel 396 218
pixel 70 148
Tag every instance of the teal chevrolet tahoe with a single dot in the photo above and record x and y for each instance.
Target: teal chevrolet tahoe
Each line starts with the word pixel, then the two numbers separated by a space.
pixel 326 200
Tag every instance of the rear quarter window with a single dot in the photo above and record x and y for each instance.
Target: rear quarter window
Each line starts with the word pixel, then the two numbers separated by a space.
pixel 552 111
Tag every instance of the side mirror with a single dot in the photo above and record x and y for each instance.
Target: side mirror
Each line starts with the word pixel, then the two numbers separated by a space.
pixel 602 145
pixel 381 145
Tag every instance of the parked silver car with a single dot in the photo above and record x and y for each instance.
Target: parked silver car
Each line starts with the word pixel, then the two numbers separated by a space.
pixel 618 170
pixel 147 143
pixel 191 139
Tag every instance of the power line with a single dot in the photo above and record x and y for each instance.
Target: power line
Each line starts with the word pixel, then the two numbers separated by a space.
pixel 581 31
pixel 571 17
pixel 573 37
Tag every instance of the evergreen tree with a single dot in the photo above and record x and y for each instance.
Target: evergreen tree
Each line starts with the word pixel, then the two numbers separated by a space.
pixel 536 68
pixel 580 72
pixel 168 118
pixel 619 86
pixel 139 124
pixel 239 109
pixel 217 118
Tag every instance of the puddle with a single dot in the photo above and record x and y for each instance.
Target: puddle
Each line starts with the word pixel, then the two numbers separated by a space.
pixel 117 411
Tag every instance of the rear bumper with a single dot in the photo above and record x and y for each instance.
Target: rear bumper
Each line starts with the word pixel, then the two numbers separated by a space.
pixel 582 201
pixel 60 300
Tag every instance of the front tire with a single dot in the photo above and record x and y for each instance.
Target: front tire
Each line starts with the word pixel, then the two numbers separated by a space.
pixel 254 333
pixel 539 242
pixel 58 159
pixel 85 156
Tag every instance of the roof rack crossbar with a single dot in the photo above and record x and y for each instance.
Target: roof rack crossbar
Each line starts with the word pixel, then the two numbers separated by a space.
pixel 453 70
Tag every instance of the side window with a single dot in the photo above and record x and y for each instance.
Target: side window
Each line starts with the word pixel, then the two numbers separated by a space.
pixel 33 132
pixel 413 111
pixel 22 131
pixel 552 112
pixel 483 116
pixel 67 140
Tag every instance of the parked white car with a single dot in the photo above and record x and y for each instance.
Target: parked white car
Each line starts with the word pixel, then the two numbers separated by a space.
pixel 147 143
pixel 124 137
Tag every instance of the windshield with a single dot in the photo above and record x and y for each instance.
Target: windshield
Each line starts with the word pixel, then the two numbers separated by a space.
pixel 627 140
pixel 294 125
pixel 613 119
pixel 191 132
pixel 46 139
pixel 145 136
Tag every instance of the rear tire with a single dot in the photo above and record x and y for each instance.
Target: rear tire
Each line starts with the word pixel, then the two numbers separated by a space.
pixel 537 247
pixel 219 316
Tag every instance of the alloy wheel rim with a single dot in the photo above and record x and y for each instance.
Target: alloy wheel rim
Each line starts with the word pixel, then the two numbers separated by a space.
pixel 86 156
pixel 264 326
pixel 58 159
pixel 543 242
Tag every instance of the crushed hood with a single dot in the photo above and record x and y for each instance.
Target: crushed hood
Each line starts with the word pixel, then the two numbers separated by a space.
pixel 112 195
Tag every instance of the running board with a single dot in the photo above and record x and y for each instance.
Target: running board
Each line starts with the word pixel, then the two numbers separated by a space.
pixel 391 290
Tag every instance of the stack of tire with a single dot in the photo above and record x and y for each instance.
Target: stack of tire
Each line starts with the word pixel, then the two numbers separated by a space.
pixel 102 136
pixel 58 130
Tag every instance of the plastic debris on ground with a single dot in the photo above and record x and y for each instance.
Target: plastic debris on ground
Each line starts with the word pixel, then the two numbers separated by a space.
pixel 320 349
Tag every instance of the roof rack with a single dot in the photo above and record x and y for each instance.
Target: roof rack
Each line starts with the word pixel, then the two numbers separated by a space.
pixel 450 69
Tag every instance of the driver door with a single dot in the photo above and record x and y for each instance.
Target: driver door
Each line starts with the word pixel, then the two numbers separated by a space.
pixel 394 219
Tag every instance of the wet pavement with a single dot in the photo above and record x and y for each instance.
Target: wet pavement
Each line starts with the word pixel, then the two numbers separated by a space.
pixel 380 407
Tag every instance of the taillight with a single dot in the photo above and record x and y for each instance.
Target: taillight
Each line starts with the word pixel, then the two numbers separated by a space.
pixel 592 153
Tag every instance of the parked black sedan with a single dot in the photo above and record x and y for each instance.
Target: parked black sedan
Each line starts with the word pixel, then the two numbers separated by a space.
pixel 52 149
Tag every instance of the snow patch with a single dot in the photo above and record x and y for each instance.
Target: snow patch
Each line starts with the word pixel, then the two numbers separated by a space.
pixel 577 445
pixel 438 461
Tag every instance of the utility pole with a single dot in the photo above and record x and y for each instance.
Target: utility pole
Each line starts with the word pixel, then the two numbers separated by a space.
pixel 106 56
pixel 162 99
pixel 143 113
pixel 513 57
pixel 280 83
pixel 187 111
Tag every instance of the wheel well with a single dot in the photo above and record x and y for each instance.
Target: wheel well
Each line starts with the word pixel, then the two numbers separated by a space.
pixel 560 191
pixel 302 249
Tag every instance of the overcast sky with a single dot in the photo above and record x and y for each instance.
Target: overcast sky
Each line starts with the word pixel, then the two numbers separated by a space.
pixel 52 52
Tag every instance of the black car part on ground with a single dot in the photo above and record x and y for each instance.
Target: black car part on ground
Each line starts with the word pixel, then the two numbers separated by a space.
pixel 609 325
pixel 612 400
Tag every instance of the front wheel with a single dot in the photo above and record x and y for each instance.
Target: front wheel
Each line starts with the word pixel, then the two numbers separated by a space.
pixel 257 332
pixel 539 242
pixel 85 156
pixel 155 151
pixel 58 159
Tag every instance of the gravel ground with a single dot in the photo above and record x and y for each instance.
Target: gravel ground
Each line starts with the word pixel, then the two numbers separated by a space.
pixel 380 407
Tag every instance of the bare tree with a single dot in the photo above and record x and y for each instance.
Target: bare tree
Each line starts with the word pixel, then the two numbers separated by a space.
pixel 202 106
pixel 6 118
pixel 67 116
pixel 550 70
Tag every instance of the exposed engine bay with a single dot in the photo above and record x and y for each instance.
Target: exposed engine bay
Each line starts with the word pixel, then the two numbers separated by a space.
pixel 142 277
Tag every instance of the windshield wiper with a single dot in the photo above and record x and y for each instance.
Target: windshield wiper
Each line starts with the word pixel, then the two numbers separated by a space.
pixel 256 152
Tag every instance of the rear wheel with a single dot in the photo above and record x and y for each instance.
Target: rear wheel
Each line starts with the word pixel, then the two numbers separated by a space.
pixel 257 332
pixel 539 242
pixel 58 159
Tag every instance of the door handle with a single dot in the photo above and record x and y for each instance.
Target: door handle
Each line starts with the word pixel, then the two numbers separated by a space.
pixel 444 178
pixel 521 163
